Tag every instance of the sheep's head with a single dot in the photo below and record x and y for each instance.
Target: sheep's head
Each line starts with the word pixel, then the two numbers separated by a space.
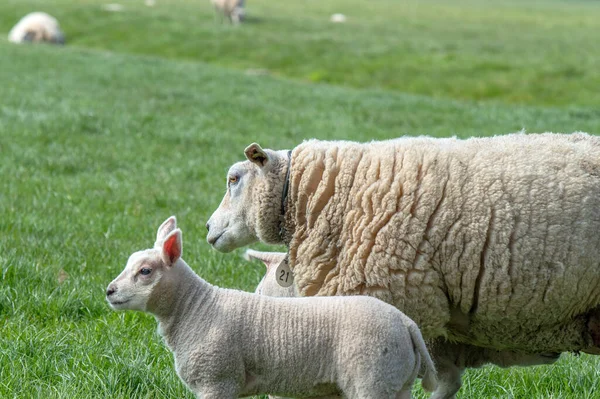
pixel 251 208
pixel 146 270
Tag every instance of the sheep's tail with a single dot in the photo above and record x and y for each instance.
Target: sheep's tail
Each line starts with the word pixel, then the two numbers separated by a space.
pixel 429 380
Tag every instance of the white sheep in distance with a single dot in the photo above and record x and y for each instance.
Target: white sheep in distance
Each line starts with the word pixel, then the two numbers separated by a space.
pixel 37 27
pixel 233 10
pixel 455 357
pixel 487 242
pixel 229 343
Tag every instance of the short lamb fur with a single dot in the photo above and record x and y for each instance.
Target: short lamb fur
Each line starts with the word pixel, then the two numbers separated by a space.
pixel 230 344
pixel 455 357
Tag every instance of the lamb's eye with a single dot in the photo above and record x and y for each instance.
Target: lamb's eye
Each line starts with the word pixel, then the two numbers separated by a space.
pixel 145 271
pixel 233 179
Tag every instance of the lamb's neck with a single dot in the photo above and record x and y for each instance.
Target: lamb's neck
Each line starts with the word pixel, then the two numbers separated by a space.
pixel 191 299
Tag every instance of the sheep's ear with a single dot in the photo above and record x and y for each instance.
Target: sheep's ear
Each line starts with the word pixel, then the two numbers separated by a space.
pixel 270 259
pixel 172 247
pixel 256 154
pixel 165 228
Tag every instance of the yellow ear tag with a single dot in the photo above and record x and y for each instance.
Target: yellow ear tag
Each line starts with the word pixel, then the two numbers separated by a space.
pixel 283 274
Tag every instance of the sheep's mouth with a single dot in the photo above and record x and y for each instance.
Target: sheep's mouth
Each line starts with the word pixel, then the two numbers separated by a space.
pixel 118 303
pixel 213 240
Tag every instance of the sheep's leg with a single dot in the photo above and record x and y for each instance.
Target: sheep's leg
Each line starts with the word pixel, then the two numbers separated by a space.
pixel 448 375
pixel 218 15
pixel 445 355
pixel 316 397
pixel 217 392
pixel 404 394
pixel 372 391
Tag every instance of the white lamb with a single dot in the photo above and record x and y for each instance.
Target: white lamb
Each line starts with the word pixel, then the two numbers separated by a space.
pixel 359 347
pixel 452 357
pixel 233 10
pixel 37 27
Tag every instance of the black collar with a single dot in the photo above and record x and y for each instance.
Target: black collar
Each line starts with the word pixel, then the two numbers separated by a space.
pixel 286 184
pixel 286 187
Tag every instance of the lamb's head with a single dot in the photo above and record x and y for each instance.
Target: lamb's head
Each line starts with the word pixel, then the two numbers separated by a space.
pixel 251 208
pixel 145 280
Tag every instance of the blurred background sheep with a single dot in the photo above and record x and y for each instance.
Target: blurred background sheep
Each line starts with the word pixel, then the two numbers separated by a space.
pixel 37 27
pixel 233 10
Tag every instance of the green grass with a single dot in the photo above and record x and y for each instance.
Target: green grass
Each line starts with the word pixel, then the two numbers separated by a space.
pixel 524 52
pixel 103 139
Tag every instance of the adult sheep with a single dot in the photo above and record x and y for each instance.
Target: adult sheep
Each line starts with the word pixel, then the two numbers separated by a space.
pixel 233 10
pixel 486 242
pixel 37 27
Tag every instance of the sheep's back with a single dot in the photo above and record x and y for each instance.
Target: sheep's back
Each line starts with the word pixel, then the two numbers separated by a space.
pixel 489 241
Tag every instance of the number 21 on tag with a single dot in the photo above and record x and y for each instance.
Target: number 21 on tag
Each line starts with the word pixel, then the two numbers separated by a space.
pixel 284 275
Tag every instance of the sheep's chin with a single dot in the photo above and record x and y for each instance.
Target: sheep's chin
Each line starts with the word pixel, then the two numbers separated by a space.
pixel 227 241
pixel 224 243
pixel 125 304
pixel 119 305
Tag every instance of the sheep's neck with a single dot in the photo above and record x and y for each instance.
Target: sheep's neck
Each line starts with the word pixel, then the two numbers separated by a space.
pixel 191 298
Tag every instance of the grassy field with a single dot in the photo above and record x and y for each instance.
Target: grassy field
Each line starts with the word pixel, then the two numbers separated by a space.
pixel 524 52
pixel 141 114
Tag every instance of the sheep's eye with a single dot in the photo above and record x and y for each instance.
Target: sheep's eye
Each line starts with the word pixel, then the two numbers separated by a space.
pixel 145 271
pixel 233 179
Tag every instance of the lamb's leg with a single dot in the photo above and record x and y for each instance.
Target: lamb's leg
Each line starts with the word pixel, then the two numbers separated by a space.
pixel 313 397
pixel 224 391
pixel 448 381
pixel 404 394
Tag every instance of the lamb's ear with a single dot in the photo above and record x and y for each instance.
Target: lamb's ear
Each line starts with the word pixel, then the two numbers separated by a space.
pixel 165 228
pixel 172 247
pixel 270 259
pixel 256 154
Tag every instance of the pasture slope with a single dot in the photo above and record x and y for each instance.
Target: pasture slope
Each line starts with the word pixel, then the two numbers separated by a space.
pixel 141 114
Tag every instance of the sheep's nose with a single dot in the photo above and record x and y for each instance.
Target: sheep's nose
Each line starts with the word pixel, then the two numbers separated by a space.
pixel 111 290
pixel 207 226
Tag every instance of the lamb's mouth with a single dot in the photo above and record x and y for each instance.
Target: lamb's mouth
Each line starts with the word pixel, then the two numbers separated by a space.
pixel 117 303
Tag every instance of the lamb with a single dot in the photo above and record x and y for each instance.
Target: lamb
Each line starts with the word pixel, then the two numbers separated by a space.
pixel 233 10
pixel 485 242
pixel 316 347
pixel 453 358
pixel 37 27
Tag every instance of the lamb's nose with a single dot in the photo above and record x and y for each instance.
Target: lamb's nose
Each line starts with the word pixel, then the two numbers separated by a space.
pixel 111 290
pixel 207 226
